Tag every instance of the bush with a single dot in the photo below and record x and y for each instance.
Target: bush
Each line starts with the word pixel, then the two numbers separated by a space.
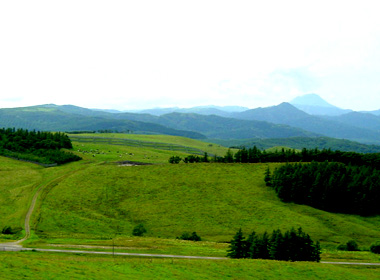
pixel 342 247
pixel 352 246
pixel 10 230
pixel 175 159
pixel 349 246
pixel 139 230
pixel 192 237
pixel 375 248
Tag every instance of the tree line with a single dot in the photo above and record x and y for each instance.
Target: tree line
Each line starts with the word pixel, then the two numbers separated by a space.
pixel 293 245
pixel 39 146
pixel 255 155
pixel 328 186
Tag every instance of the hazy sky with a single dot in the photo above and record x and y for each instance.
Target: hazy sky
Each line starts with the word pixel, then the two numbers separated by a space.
pixel 142 54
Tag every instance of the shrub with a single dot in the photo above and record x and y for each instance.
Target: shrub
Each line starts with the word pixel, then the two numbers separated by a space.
pixel 139 230
pixel 10 230
pixel 175 159
pixel 349 246
pixel 352 246
pixel 375 248
pixel 192 237
pixel 342 247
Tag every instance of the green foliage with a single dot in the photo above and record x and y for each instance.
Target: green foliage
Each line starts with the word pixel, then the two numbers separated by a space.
pixel 139 230
pixel 329 186
pixel 10 230
pixel 237 248
pixel 42 147
pixel 352 246
pixel 192 159
pixel 294 245
pixel 375 247
pixel 254 155
pixel 175 159
pixel 192 237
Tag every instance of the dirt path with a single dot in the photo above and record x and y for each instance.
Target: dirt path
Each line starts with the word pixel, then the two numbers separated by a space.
pixel 41 188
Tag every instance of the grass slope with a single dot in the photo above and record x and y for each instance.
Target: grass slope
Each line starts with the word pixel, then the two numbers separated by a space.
pixel 214 200
pixel 18 181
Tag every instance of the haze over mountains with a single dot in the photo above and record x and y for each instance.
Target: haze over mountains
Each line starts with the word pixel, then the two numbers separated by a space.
pixel 305 116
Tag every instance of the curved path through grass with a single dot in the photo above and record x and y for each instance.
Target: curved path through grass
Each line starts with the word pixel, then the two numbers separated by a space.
pixel 41 188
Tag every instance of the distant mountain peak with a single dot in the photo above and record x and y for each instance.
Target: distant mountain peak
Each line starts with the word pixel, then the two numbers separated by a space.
pixel 315 105
pixel 311 99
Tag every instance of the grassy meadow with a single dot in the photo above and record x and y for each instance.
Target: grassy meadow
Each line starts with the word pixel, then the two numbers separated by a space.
pixel 95 204
pixel 215 200
pixel 73 266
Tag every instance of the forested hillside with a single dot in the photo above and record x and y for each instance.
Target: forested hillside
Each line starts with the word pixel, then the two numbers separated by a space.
pixel 72 118
pixel 287 114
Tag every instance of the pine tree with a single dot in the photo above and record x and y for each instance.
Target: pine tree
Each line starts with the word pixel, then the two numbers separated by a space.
pixel 237 248
pixel 268 177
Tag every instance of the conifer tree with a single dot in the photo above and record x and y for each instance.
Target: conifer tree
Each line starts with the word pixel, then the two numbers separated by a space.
pixel 237 248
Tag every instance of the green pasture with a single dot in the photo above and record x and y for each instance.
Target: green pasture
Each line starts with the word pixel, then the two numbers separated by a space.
pixel 34 265
pixel 18 181
pixel 163 142
pixel 97 202
pixel 215 200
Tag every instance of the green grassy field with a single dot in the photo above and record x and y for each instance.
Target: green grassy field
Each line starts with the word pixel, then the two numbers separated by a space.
pixel 18 182
pixel 169 143
pixel 33 265
pixel 96 202
pixel 212 199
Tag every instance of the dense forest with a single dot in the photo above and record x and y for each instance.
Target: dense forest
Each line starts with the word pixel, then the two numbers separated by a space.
pixel 36 146
pixel 329 186
pixel 293 245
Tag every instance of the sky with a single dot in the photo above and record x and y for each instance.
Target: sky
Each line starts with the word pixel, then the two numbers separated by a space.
pixel 145 54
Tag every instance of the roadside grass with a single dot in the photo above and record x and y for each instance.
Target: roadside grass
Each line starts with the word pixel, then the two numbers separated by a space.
pixel 215 200
pixel 35 265
pixel 346 256
pixel 143 245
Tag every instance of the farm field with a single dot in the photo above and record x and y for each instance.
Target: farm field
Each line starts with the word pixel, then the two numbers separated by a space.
pixel 94 204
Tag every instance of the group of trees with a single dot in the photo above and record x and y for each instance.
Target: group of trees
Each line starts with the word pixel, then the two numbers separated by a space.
pixel 329 186
pixel 189 159
pixel 293 245
pixel 42 147
pixel 254 155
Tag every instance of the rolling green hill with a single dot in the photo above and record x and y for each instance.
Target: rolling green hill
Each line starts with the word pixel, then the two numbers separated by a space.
pixel 212 199
pixel 72 118
pixel 99 200
pixel 287 114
